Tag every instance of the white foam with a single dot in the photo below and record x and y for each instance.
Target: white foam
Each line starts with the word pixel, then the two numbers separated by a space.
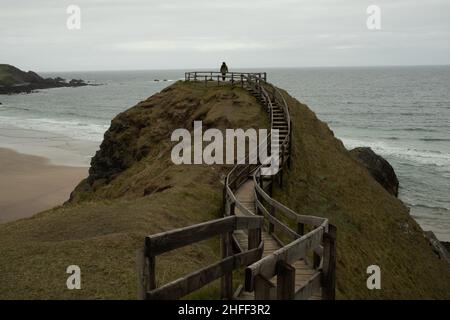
pixel 384 148
pixel 74 129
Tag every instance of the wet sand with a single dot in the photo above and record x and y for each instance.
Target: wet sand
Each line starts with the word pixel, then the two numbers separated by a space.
pixel 30 184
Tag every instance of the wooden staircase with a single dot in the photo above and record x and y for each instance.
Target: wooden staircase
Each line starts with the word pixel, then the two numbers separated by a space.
pixel 303 271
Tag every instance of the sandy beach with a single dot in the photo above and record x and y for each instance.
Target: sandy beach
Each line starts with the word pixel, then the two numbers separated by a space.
pixel 30 184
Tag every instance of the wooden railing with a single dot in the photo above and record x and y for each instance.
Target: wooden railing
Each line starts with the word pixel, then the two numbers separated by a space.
pixel 320 242
pixel 167 241
pixel 235 78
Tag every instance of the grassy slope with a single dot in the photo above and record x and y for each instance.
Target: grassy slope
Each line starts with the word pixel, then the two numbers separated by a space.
pixel 10 75
pixel 103 226
pixel 373 227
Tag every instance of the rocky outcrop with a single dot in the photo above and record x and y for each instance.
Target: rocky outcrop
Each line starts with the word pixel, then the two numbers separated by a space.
pixel 439 249
pixel 378 167
pixel 14 80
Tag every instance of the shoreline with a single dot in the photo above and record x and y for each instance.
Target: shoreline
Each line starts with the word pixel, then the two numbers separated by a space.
pixel 58 149
pixel 30 184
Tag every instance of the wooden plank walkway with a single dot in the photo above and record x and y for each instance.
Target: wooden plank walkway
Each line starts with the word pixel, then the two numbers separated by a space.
pixel 303 272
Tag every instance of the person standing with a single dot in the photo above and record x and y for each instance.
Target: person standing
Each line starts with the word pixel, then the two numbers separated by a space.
pixel 224 70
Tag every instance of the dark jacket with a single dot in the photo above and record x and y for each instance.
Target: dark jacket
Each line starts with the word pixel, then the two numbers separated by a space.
pixel 223 68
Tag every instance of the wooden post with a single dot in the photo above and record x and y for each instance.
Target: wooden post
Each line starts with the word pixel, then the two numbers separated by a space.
pixel 232 78
pixel 290 144
pixel 272 180
pixel 224 199
pixel 254 238
pixel 285 281
pixel 280 177
pixel 151 273
pixel 151 261
pixel 232 208
pixel 257 197
pixel 300 228
pixel 195 76
pixel 261 180
pixel 271 225
pixel 226 282
pixel 329 264
pixel 280 171
pixel 141 264
pixel 264 289
pixel 316 260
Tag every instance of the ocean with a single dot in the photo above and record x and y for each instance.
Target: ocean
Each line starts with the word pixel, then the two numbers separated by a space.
pixel 402 113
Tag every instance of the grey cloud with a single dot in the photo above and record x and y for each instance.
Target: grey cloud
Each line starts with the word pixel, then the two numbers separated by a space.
pixel 138 34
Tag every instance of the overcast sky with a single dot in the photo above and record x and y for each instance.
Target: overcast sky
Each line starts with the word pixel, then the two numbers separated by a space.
pixel 186 34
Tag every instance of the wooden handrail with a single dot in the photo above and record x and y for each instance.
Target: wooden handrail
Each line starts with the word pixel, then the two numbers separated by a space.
pixel 290 253
pixel 174 239
pixel 170 240
pixel 266 268
pixel 198 279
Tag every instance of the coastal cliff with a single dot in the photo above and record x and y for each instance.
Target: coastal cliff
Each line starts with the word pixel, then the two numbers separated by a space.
pixel 134 190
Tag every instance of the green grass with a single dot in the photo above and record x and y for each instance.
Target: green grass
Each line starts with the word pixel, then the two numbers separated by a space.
pixel 373 226
pixel 105 223
pixel 9 75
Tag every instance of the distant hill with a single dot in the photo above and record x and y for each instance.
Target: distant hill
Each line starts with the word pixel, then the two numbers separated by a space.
pixel 14 80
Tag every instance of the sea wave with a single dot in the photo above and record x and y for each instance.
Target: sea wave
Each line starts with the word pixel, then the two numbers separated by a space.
pixel 428 157
pixel 75 129
pixel 434 139
pixel 437 210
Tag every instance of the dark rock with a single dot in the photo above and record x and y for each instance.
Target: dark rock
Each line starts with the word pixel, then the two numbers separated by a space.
pixel 33 77
pixel 59 79
pixel 439 249
pixel 378 167
pixel 77 83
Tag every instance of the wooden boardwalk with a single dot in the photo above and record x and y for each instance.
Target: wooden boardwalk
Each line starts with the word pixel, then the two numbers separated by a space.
pixel 303 272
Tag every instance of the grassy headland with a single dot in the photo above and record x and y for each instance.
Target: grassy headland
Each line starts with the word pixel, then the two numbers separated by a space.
pixel 14 80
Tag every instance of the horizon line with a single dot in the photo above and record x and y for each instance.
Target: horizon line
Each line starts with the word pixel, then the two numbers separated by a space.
pixel 252 68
